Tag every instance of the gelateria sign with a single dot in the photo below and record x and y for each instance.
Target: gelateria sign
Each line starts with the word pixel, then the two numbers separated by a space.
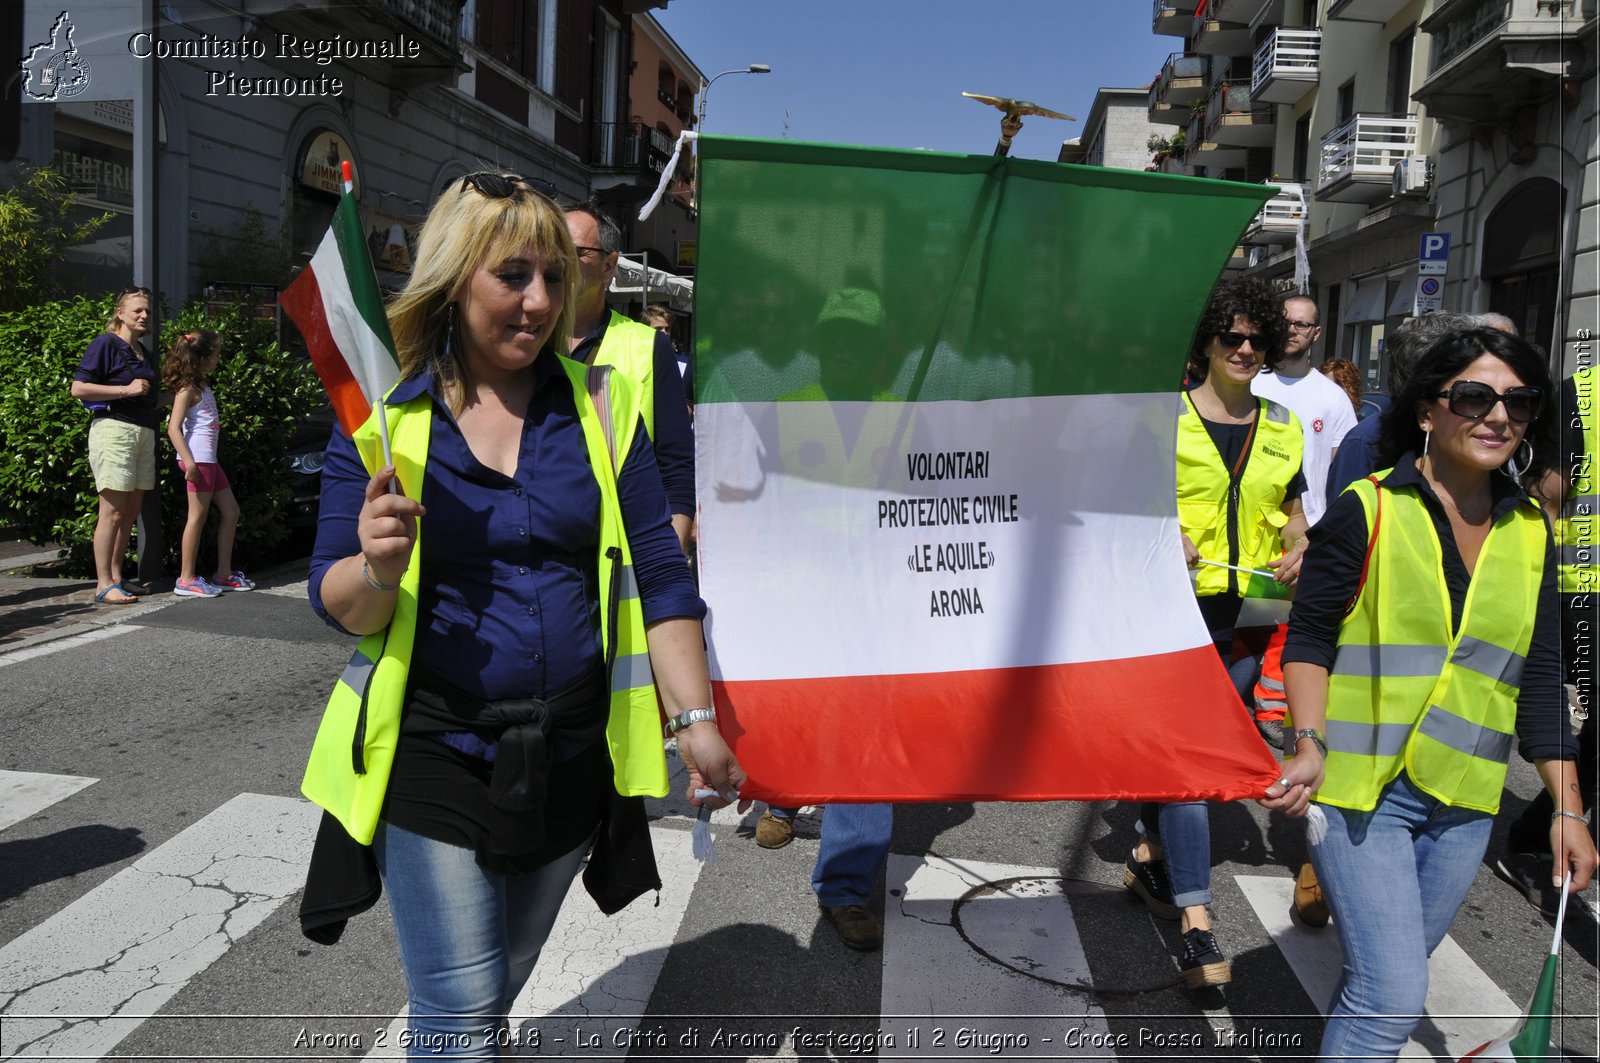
pixel 319 163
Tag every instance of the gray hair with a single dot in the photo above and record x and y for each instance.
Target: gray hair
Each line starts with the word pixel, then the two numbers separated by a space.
pixel 1495 321
pixel 610 234
pixel 1408 343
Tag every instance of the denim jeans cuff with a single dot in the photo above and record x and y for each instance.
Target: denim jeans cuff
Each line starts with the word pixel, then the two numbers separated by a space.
pixel 1191 899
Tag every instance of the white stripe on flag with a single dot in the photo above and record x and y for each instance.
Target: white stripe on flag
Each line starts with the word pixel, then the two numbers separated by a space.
pixel 27 793
pixel 128 946
pixel 805 507
pixel 1464 1006
pixel 370 361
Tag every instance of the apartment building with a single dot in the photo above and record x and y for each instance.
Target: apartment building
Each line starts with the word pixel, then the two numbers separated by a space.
pixel 665 89
pixel 1117 132
pixel 1380 120
pixel 415 93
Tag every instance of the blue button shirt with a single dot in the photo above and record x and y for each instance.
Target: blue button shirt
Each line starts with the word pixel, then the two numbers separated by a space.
pixel 509 598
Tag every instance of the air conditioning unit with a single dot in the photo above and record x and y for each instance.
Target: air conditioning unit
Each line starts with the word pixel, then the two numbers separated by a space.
pixel 1412 176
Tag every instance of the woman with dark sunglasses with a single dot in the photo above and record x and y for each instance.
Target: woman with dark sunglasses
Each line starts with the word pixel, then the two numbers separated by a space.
pixel 1239 486
pixel 117 381
pixel 523 599
pixel 1423 644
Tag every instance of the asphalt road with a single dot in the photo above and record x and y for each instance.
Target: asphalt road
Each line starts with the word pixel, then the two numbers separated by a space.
pixel 1006 921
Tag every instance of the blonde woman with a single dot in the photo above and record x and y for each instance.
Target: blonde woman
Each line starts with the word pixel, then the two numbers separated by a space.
pixel 523 598
pixel 118 383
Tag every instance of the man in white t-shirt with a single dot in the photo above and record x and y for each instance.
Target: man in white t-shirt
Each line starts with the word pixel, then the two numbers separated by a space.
pixel 1323 407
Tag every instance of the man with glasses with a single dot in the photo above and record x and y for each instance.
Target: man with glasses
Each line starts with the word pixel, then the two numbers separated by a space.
pixel 1325 416
pixel 603 336
pixel 1323 408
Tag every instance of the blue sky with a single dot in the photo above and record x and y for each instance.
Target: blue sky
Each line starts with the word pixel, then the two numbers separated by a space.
pixel 891 72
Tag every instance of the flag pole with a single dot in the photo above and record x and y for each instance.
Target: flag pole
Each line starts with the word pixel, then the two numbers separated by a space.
pixel 347 182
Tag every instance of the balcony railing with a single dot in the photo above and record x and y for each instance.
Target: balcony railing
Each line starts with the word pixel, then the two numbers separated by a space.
pixel 1459 28
pixel 1279 218
pixel 1491 56
pixel 1287 65
pixel 1234 119
pixel 1359 157
pixel 1172 17
pixel 1365 10
pixel 631 147
pixel 1184 78
pixel 439 19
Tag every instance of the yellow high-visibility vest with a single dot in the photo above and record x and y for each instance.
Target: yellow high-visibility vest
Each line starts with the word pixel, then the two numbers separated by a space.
pixel 1407 692
pixel 630 346
pixel 351 758
pixel 1237 524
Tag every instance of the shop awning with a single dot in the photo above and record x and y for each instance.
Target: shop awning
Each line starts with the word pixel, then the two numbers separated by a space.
pixel 1368 303
pixel 633 276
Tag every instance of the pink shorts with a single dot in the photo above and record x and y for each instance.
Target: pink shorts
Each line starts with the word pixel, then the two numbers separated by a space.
pixel 212 478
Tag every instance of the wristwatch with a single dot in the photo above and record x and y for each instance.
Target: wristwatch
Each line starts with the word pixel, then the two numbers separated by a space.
pixel 690 716
pixel 1316 739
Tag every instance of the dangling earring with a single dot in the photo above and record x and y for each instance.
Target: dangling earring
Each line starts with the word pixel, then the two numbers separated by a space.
pixel 1513 468
pixel 449 329
pixel 1427 437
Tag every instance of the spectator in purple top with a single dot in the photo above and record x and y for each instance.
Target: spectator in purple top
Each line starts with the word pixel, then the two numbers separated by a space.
pixel 117 381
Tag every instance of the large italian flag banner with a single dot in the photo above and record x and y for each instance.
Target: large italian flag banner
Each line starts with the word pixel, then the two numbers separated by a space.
pixel 935 435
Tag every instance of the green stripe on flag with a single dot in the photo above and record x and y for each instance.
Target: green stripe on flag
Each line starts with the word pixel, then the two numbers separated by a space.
pixel 867 272
pixel 359 274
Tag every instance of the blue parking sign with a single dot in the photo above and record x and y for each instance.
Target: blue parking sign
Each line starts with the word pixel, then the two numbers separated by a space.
pixel 1433 253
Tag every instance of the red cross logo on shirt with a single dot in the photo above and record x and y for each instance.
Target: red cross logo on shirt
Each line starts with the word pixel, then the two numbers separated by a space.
pixel 1316 426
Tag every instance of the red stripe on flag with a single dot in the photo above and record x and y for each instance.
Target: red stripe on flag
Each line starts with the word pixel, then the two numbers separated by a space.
pixel 1164 728
pixel 302 300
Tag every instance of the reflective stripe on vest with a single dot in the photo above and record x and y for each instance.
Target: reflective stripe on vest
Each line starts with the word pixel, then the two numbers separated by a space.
pixel 1576 531
pixel 630 346
pixel 348 770
pixel 1406 693
pixel 1203 494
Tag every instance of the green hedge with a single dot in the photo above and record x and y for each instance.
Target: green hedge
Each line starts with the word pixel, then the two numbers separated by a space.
pixel 46 488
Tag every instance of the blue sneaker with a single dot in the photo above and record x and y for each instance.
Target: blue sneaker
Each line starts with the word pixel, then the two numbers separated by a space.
pixel 199 587
pixel 235 581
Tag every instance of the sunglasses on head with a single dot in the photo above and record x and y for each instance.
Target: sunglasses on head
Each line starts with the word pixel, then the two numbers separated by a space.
pixel 1472 400
pixel 133 291
pixel 506 185
pixel 1234 340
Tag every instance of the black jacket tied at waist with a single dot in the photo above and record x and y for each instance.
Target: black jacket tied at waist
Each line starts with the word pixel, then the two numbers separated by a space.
pixel 528 732
pixel 342 880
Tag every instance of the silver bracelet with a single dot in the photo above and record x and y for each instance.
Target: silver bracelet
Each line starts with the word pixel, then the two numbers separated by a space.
pixel 688 717
pixel 1560 812
pixel 366 573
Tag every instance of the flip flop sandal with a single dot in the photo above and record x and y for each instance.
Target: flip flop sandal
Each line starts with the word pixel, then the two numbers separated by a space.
pixel 127 599
pixel 135 587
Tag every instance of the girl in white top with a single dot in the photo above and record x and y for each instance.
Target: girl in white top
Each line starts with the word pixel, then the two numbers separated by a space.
pixel 194 430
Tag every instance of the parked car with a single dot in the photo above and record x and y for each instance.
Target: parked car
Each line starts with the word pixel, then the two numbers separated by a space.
pixel 305 467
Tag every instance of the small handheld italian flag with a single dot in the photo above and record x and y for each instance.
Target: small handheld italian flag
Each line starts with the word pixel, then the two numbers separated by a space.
pixel 1529 1039
pixel 336 304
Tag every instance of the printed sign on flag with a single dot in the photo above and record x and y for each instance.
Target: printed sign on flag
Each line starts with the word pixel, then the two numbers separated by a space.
pixel 936 425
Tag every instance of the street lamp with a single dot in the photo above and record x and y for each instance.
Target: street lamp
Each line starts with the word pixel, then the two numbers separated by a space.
pixel 700 121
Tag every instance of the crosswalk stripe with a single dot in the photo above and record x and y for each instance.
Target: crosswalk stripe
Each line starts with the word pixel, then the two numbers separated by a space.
pixel 72 642
pixel 960 1003
pixel 1464 1007
pixel 27 793
pixel 595 971
pixel 78 983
